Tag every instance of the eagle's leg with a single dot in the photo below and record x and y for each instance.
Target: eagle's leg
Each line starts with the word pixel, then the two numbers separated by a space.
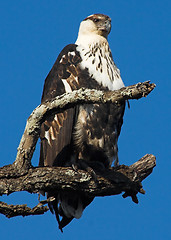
pixel 84 165
pixel 116 163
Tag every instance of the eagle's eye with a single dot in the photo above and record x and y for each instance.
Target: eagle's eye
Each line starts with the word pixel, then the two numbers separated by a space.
pixel 96 20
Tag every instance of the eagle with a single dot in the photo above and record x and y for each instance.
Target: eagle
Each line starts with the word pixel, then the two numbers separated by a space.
pixel 87 132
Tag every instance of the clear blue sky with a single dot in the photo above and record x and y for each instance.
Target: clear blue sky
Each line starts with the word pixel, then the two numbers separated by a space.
pixel 32 33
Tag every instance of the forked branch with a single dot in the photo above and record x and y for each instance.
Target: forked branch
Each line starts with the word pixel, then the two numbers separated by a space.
pixel 21 176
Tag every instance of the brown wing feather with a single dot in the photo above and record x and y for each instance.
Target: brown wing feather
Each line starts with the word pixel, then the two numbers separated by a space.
pixel 56 131
pixel 55 136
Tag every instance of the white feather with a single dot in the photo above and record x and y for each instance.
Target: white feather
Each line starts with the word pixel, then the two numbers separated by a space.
pixel 87 41
pixel 108 78
pixel 47 136
pixel 66 85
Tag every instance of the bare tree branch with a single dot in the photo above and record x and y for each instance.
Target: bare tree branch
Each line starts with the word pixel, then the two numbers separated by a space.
pixel 32 129
pixel 65 178
pixel 109 182
pixel 21 176
pixel 21 210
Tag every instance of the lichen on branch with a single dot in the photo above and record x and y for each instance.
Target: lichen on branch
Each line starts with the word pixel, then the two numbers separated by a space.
pixel 22 176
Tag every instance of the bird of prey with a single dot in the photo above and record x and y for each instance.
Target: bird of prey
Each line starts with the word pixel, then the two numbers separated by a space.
pixel 87 131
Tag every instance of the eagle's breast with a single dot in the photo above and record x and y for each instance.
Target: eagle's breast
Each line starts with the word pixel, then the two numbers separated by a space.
pixel 97 58
pixel 96 129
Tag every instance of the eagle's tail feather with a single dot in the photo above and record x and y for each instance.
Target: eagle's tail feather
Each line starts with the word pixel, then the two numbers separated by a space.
pixel 64 221
pixel 71 204
pixel 68 205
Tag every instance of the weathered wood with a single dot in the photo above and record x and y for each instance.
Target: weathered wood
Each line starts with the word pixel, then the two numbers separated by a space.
pixel 112 181
pixel 31 134
pixel 21 176
pixel 21 210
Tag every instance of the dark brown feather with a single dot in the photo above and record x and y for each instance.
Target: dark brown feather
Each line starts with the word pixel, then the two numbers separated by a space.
pixel 86 131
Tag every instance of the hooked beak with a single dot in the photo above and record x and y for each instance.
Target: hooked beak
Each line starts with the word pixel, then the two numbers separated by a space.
pixel 106 28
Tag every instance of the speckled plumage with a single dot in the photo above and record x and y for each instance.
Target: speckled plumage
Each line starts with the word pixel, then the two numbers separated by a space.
pixel 88 131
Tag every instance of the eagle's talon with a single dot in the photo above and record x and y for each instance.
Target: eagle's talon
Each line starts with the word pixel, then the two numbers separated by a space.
pixel 92 173
pixel 83 165
pixel 74 167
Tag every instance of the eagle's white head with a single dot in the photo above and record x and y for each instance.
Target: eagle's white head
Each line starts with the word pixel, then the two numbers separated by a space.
pixel 95 26
pixel 99 24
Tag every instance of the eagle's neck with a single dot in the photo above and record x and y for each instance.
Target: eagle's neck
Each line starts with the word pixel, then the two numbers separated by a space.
pixel 97 58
